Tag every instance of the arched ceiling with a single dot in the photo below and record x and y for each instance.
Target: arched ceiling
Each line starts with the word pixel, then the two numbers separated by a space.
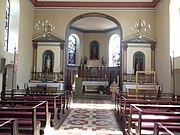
pixel 93 24
pixel 150 4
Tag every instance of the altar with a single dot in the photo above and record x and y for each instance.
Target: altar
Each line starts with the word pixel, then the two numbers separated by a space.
pixel 51 87
pixel 92 85
pixel 131 87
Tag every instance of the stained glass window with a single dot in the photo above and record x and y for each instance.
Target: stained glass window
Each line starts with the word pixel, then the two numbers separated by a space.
pixel 114 50
pixel 6 30
pixel 72 50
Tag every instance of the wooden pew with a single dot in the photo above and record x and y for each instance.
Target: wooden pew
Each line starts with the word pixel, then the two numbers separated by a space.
pixel 29 100
pixel 58 103
pixel 171 129
pixel 9 127
pixel 27 116
pixel 143 117
pixel 43 113
pixel 123 97
pixel 126 102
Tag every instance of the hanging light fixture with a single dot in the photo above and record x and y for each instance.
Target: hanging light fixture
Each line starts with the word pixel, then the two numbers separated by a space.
pixel 141 28
pixel 45 26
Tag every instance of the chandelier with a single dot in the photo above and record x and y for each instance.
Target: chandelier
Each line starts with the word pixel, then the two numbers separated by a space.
pixel 141 28
pixel 44 25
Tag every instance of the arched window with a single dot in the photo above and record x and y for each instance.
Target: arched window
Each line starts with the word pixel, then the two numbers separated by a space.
pixel 114 50
pixel 6 30
pixel 174 27
pixel 72 50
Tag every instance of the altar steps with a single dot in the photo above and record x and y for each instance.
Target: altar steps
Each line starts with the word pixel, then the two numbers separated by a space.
pixel 94 96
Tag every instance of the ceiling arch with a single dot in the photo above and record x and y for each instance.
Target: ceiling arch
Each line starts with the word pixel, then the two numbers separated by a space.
pixel 150 4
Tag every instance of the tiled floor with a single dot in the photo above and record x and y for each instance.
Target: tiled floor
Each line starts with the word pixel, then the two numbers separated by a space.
pixel 90 117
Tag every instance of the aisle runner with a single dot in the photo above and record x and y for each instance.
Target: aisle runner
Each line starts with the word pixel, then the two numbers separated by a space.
pixel 90 117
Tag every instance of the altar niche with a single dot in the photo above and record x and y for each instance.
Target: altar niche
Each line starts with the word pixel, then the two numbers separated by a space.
pixel 48 61
pixel 94 50
pixel 138 61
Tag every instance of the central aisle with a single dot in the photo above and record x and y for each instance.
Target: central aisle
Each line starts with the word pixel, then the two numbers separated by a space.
pixel 90 117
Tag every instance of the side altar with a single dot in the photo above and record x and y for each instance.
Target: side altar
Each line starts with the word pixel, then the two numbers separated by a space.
pixel 48 63
pixel 45 87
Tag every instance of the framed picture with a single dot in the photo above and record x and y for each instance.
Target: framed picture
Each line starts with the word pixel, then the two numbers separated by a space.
pixel 94 72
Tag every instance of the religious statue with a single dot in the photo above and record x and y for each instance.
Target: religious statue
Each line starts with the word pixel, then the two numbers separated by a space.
pixel 85 61
pixel 48 64
pixel 94 52
pixel 103 61
pixel 55 78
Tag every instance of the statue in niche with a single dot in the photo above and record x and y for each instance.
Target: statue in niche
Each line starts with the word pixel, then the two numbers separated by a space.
pixel 48 64
pixel 138 62
pixel 48 61
pixel 94 50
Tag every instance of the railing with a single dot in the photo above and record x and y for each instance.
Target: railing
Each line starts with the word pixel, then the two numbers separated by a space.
pixel 43 76
pixel 144 78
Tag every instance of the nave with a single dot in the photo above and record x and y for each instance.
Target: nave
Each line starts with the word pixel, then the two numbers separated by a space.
pixel 88 117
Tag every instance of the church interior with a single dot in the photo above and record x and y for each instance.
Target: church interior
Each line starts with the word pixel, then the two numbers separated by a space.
pixel 88 67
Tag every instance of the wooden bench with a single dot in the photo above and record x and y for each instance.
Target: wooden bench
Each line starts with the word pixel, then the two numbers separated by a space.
pixel 124 105
pixel 172 129
pixel 142 117
pixel 119 97
pixel 58 103
pixel 28 116
pixel 122 98
pixel 30 100
pixel 9 127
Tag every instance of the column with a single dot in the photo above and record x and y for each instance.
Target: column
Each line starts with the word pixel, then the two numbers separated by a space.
pixel 153 56
pixel 61 60
pixel 34 60
pixel 125 61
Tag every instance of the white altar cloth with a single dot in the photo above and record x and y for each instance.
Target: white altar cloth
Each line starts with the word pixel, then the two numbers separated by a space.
pixel 96 83
pixel 93 84
pixel 145 86
pixel 59 85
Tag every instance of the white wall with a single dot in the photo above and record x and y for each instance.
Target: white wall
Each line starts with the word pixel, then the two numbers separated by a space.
pixel 2 25
pixel 25 50
pixel 162 51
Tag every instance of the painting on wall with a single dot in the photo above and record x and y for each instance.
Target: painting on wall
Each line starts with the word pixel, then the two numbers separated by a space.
pixel 48 61
pixel 94 50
